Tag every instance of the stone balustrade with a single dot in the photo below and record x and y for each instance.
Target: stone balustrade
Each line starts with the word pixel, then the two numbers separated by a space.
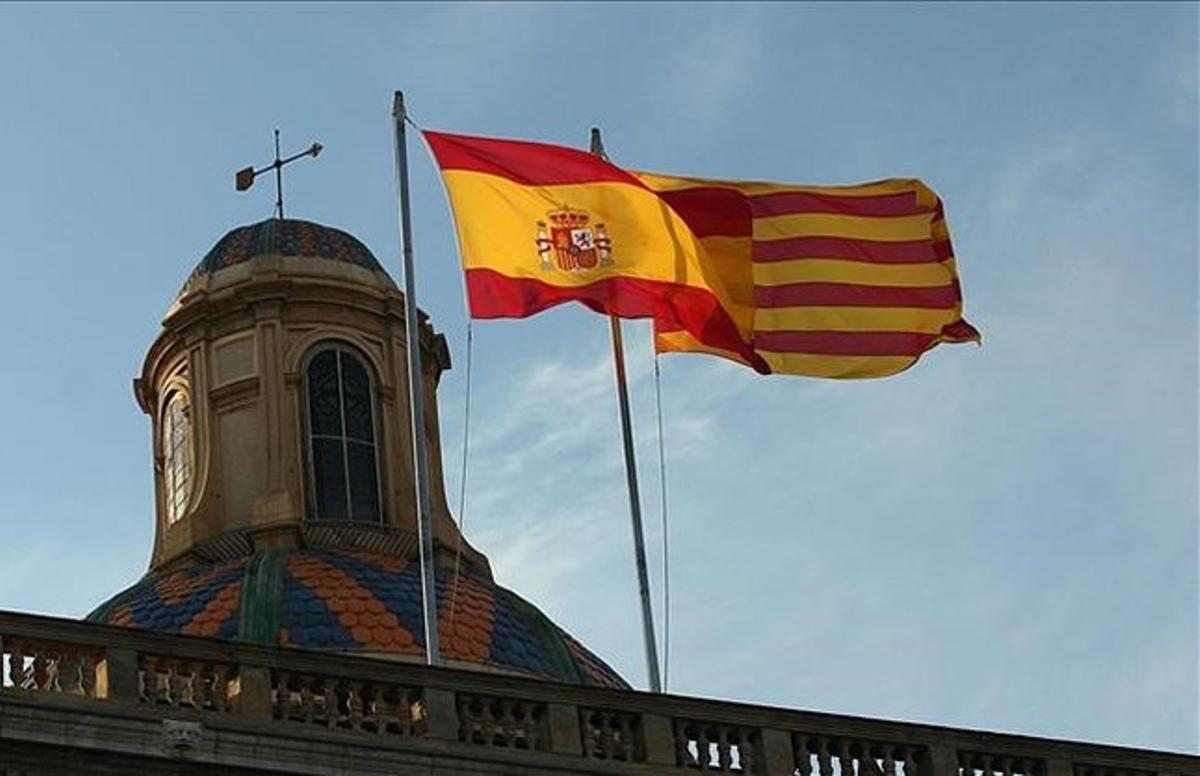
pixel 256 708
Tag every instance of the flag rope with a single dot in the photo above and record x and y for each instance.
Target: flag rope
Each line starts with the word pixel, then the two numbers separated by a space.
pixel 462 484
pixel 666 536
pixel 466 439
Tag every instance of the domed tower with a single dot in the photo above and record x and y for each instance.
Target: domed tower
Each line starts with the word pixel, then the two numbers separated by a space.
pixel 277 393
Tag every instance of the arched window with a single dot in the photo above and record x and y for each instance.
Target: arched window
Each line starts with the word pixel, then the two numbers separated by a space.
pixel 341 436
pixel 177 455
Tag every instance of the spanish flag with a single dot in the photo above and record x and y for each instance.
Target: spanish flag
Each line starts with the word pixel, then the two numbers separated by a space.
pixel 849 282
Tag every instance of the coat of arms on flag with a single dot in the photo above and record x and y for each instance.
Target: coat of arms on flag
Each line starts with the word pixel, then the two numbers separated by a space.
pixel 576 246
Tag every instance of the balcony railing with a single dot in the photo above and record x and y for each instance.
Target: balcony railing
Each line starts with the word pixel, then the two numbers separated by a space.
pixel 204 696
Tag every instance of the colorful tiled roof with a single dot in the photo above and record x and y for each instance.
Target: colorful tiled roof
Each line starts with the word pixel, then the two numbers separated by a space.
pixel 354 601
pixel 286 237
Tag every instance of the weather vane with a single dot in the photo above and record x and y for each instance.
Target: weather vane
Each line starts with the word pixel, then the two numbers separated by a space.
pixel 245 177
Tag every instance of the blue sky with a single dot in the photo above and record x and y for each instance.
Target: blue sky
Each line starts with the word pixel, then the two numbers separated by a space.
pixel 1004 537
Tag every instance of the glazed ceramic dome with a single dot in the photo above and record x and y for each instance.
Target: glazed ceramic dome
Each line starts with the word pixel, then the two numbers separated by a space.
pixel 286 237
pixel 355 601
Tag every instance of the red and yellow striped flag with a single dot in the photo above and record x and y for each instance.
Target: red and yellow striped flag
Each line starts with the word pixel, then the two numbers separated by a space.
pixel 836 281
pixel 854 281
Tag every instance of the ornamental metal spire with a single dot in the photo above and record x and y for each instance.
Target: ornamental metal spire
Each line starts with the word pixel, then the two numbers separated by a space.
pixel 245 177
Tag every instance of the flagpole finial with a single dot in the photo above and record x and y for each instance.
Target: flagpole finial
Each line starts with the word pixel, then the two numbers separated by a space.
pixel 598 144
pixel 398 110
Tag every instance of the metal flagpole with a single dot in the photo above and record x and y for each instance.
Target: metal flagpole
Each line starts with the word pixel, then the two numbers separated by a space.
pixel 635 501
pixel 278 179
pixel 416 395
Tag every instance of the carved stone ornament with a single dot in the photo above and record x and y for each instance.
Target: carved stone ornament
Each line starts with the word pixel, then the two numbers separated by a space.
pixel 179 736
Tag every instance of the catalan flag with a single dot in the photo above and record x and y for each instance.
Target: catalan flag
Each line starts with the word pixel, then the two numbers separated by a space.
pixel 834 281
pixel 847 282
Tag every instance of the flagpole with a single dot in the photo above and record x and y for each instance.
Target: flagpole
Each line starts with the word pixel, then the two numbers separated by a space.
pixel 416 395
pixel 635 501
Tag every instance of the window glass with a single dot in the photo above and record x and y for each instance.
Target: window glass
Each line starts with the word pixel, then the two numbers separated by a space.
pixel 329 478
pixel 356 391
pixel 323 404
pixel 364 489
pixel 342 457
pixel 177 456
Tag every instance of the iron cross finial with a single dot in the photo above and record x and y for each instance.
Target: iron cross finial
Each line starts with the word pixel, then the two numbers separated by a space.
pixel 245 177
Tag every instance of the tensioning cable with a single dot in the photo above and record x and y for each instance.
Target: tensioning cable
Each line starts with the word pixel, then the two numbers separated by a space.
pixel 466 439
pixel 666 543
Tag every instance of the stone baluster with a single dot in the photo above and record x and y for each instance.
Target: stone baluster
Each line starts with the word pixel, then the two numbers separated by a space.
pixel 208 687
pixel 683 755
pixel 888 766
pixel 374 708
pixel 824 759
pixel 305 702
pixel 65 669
pixel 592 733
pixel 406 713
pixel 402 712
pixel 87 674
pixel 613 736
pixel 165 679
pixel 390 710
pixel 180 684
pixel 803 756
pixel 507 725
pixel 406 702
pixel 281 695
pixel 486 717
pixel 16 666
pixel 52 671
pixel 532 726
pixel 41 670
pixel 318 700
pixel 83 673
pixel 466 721
pixel 844 758
pixel 340 698
pixel 703 747
pixel 519 730
pixel 870 761
pixel 486 721
pixel 222 676
pixel 724 749
pixel 147 681
pixel 628 736
pixel 354 705
pixel 21 675
pixel 911 765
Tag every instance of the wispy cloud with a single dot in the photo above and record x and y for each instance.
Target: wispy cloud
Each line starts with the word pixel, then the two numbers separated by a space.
pixel 706 72
pixel 1175 69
